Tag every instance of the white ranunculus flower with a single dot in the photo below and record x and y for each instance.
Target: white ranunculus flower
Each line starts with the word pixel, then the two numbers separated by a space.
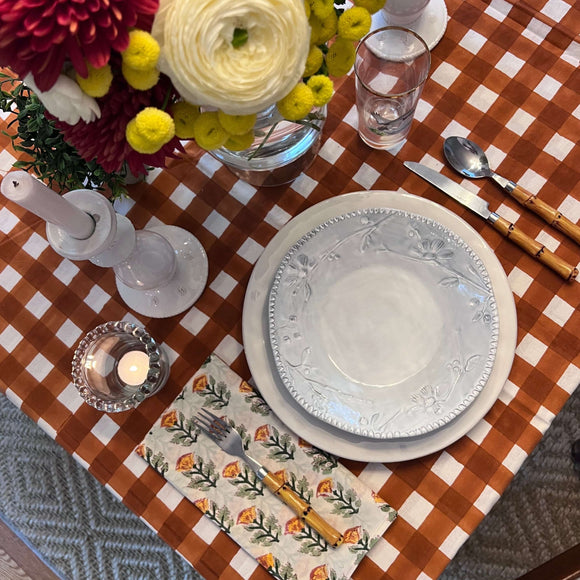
pixel 197 52
pixel 66 100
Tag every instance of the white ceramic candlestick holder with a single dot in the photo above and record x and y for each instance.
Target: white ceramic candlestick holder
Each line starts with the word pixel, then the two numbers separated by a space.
pixel 160 272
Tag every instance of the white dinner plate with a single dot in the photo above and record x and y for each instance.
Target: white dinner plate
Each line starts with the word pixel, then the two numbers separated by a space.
pixel 383 323
pixel 255 328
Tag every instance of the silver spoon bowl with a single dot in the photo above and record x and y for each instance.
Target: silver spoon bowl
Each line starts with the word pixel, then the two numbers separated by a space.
pixel 469 159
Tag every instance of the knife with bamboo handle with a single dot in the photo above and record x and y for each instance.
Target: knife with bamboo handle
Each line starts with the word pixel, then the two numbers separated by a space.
pixel 549 214
pixel 508 230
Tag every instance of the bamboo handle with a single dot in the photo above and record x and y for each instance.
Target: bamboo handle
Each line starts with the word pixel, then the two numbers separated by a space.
pixel 303 509
pixel 535 249
pixel 546 212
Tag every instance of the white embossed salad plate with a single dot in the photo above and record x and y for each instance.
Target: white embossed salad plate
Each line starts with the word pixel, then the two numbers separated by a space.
pixel 255 328
pixel 383 323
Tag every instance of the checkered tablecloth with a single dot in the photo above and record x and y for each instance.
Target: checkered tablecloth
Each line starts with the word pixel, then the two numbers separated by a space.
pixel 504 74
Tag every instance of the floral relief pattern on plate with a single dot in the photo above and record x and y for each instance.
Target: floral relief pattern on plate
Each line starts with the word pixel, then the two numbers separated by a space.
pixel 383 323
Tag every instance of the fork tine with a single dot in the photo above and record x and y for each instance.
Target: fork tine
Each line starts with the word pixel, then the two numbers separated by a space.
pixel 202 423
pixel 213 429
pixel 206 429
pixel 214 423
pixel 217 421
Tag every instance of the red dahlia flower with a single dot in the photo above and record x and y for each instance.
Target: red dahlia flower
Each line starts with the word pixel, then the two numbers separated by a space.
pixel 39 36
pixel 104 139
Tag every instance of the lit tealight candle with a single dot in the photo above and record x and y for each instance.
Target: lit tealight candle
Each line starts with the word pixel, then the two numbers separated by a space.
pixel 133 367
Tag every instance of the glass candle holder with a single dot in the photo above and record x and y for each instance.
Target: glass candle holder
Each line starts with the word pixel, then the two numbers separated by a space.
pixel 118 365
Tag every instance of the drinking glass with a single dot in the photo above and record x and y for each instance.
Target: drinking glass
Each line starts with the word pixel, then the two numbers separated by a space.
pixel 391 67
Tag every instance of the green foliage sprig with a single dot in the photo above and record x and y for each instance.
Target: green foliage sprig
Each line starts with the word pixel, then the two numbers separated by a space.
pixel 311 542
pixel 51 158
pixel 266 529
pixel 184 431
pixel 157 461
pixel 321 460
pixel 216 393
pixel 345 502
pixel 247 483
pixel 203 475
pixel 280 445
pixel 221 516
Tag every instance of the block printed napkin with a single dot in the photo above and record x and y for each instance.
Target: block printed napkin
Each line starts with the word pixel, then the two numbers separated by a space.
pixel 229 493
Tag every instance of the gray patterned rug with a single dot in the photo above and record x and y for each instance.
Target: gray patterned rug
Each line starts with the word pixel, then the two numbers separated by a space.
pixel 80 529
pixel 538 516
pixel 83 532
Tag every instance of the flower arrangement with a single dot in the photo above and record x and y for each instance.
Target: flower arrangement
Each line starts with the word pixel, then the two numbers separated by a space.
pixel 47 154
pixel 126 81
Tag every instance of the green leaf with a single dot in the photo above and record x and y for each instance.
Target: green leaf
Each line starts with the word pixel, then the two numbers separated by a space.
pixel 240 37
pixel 52 158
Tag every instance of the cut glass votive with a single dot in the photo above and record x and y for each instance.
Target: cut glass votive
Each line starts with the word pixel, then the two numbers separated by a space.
pixel 118 365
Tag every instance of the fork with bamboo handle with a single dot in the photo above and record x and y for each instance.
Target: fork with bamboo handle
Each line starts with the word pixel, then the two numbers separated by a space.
pixel 228 439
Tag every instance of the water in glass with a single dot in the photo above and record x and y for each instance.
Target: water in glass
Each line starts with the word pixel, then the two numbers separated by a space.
pixel 391 67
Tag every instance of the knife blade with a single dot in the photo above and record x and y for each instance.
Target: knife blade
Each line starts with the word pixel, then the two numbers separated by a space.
pixel 479 206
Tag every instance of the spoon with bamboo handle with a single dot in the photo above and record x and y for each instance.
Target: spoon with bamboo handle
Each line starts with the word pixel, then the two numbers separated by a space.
pixel 469 159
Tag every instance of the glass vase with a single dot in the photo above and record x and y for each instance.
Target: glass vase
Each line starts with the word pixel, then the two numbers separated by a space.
pixel 280 152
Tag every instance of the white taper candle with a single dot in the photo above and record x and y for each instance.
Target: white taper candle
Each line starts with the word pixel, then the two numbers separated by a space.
pixel 30 193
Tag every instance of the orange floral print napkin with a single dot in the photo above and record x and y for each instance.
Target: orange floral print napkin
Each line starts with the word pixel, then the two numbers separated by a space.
pixel 229 493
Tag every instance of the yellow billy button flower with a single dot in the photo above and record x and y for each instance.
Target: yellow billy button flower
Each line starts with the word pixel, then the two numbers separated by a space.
pixel 143 51
pixel 307 8
pixel 313 62
pixel 137 141
pixel 322 88
pixel 371 5
pixel 322 30
pixel 98 83
pixel 208 132
pixel 322 8
pixel 240 142
pixel 184 116
pixel 150 130
pixel 354 23
pixel 142 80
pixel 297 103
pixel 237 124
pixel 340 57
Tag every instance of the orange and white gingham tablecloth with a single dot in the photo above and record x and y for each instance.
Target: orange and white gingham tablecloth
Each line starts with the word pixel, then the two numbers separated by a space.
pixel 506 75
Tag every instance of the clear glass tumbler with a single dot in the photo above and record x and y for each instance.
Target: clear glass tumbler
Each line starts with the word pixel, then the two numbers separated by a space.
pixel 391 67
